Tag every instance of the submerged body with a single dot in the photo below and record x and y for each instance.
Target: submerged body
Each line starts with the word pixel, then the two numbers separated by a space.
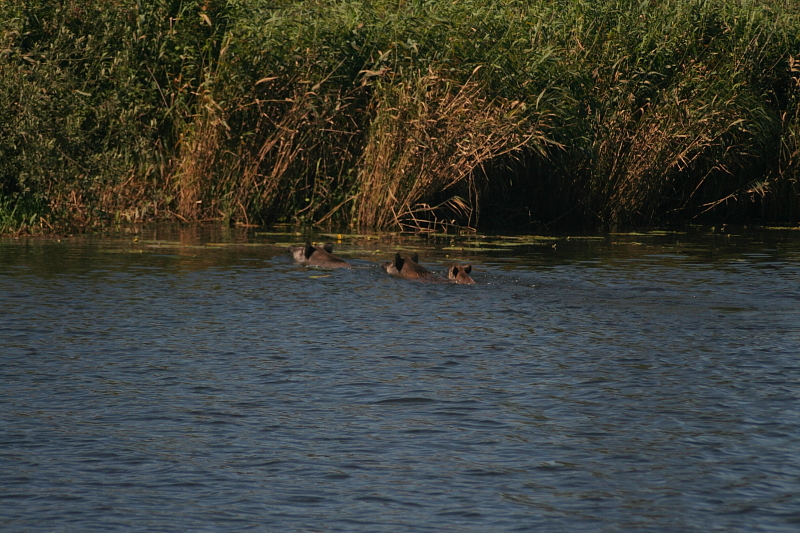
pixel 318 256
pixel 460 274
pixel 408 268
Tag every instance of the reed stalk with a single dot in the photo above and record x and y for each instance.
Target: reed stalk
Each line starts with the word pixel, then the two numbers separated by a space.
pixel 406 115
pixel 428 138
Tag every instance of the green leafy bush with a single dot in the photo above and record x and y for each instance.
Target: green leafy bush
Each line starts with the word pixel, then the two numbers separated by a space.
pixel 403 113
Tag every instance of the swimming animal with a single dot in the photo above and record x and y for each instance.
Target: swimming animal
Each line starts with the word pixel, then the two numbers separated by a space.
pixel 407 267
pixel 318 256
pixel 460 274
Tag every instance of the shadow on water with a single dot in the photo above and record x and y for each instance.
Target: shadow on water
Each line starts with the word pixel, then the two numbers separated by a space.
pixel 196 378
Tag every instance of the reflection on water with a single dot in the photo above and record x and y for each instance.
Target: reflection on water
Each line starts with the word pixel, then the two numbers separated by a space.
pixel 192 380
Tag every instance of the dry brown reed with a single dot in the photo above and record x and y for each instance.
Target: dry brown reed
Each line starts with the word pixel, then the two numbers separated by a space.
pixel 641 155
pixel 301 146
pixel 779 190
pixel 264 168
pixel 198 148
pixel 374 115
pixel 428 136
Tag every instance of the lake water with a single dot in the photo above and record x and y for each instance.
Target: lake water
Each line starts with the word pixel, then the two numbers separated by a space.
pixel 199 380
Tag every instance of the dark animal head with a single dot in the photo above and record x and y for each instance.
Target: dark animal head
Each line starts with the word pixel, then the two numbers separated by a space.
pixel 396 265
pixel 298 253
pixel 406 267
pixel 320 256
pixel 460 274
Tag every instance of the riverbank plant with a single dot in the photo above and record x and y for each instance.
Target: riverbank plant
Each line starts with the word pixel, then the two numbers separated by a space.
pixel 387 114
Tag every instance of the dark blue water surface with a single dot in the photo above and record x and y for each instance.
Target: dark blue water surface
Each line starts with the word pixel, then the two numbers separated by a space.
pixel 197 380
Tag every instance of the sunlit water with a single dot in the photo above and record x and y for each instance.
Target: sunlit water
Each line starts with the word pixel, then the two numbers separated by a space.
pixel 198 381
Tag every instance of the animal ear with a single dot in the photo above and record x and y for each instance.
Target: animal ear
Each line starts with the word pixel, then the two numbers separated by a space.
pixel 415 257
pixel 398 261
pixel 309 250
pixel 468 269
pixel 328 247
pixel 454 270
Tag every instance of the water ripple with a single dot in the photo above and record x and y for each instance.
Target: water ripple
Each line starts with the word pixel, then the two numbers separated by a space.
pixel 651 390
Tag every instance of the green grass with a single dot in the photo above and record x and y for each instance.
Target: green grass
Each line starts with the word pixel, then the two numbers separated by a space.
pixel 410 114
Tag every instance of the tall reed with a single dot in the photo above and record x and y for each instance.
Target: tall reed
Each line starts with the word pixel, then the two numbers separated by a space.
pixel 430 135
pixel 405 115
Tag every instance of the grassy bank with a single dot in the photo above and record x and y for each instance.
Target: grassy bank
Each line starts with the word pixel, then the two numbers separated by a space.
pixel 405 113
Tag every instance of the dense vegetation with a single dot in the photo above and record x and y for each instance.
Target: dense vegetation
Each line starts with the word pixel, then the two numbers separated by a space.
pixel 376 113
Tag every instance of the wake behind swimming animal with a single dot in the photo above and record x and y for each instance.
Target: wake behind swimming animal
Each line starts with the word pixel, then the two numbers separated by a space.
pixel 460 274
pixel 318 256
